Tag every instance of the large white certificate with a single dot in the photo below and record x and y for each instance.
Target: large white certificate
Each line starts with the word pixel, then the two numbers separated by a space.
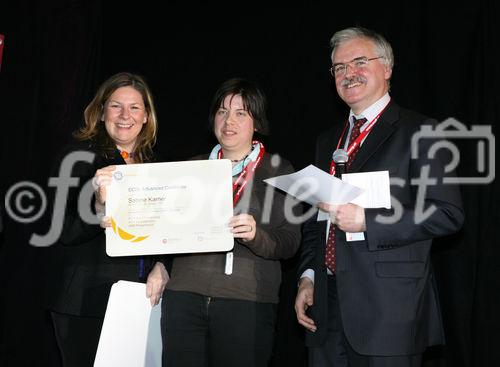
pixel 174 207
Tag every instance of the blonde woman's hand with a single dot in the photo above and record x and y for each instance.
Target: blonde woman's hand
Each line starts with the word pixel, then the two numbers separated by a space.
pixel 156 283
pixel 101 180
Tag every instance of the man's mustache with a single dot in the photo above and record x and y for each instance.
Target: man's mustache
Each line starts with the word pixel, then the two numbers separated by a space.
pixel 355 79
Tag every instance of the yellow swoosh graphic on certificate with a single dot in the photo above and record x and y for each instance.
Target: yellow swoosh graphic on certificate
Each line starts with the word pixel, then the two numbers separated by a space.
pixel 124 235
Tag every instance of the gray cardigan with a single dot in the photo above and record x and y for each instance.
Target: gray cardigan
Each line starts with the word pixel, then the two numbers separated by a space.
pixel 256 268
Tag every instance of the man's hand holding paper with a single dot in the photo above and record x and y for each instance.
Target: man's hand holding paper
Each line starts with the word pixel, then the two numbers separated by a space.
pixel 348 217
pixel 343 200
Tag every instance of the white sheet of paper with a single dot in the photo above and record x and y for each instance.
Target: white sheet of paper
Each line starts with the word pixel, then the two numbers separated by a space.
pixel 173 207
pixel 131 333
pixel 313 185
pixel 376 188
pixel 376 194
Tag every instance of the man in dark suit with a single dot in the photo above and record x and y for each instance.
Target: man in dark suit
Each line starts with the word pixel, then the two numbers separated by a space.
pixel 373 302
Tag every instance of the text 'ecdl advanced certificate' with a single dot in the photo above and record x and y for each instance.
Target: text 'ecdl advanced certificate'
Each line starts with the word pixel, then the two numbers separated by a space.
pixel 173 207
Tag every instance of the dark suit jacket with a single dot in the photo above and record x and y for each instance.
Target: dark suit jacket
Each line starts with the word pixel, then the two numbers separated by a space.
pixel 87 271
pixel 386 288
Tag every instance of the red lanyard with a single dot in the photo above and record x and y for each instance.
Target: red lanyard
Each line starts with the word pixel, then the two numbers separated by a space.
pixel 246 174
pixel 358 140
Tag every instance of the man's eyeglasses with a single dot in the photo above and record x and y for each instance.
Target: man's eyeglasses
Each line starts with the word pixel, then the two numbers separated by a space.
pixel 357 63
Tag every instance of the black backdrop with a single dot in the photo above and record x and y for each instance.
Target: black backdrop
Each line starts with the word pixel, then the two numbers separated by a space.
pixel 57 53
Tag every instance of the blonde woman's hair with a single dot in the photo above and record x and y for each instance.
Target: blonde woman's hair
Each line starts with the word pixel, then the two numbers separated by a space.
pixel 94 130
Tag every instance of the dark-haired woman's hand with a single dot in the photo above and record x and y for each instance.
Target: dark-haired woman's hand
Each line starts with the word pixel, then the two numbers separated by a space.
pixel 243 226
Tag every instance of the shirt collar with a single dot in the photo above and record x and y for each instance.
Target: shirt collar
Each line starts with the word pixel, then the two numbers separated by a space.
pixel 371 112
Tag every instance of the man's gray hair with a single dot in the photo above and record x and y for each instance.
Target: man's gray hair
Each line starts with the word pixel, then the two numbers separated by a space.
pixel 382 47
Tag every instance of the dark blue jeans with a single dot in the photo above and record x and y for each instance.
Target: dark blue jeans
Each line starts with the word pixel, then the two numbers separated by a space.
pixel 216 332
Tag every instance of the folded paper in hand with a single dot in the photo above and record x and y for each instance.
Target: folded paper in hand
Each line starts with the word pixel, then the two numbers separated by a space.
pixel 313 185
